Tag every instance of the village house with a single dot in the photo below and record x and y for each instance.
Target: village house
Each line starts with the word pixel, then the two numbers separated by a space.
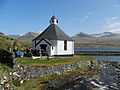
pixel 54 40
pixel 1 34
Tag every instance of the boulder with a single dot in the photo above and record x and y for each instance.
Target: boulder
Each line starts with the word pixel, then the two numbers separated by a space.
pixel 6 57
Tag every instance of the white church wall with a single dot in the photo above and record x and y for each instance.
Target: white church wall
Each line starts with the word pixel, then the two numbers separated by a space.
pixel 54 47
pixel 73 47
pixel 60 48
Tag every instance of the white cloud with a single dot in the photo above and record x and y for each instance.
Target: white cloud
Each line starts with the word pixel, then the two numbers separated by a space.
pixel 115 30
pixel 112 24
pixel 84 18
pixel 110 20
pixel 113 18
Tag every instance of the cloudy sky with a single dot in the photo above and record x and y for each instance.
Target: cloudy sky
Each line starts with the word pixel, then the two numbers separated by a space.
pixel 89 16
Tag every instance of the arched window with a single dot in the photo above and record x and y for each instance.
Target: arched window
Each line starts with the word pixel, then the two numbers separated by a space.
pixel 57 21
pixel 65 45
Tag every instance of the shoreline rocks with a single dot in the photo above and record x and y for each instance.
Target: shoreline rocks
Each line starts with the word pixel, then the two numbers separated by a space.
pixel 107 78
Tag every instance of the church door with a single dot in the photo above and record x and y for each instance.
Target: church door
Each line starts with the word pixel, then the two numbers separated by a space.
pixel 43 49
pixel 43 46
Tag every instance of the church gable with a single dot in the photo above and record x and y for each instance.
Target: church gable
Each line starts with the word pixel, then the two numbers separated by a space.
pixel 44 41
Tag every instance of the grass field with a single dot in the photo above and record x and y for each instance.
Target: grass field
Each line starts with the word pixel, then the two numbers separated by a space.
pixel 7 41
pixel 4 70
pixel 51 61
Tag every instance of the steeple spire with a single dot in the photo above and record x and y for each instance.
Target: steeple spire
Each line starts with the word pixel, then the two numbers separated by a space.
pixel 53 20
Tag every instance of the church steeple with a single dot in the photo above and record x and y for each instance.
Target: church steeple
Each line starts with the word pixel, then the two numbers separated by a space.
pixel 53 20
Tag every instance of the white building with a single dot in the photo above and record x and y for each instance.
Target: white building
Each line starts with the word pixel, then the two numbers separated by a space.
pixel 54 40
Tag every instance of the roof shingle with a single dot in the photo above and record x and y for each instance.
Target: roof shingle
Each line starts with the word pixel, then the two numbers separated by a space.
pixel 53 32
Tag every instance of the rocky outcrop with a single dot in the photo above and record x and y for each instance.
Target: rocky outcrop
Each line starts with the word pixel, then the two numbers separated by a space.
pixel 6 58
pixel 107 77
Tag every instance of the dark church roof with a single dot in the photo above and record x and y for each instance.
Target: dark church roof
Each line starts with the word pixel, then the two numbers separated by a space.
pixel 53 32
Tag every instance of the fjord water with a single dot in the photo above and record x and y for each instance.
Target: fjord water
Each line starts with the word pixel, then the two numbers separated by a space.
pixel 108 58
pixel 103 58
pixel 92 49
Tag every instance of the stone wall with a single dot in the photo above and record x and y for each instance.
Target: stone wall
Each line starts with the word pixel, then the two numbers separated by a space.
pixel 23 73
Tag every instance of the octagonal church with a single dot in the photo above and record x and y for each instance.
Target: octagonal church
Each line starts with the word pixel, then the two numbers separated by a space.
pixel 54 40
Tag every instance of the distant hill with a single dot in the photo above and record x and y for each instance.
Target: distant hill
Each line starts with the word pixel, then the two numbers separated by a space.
pixel 81 35
pixel 104 34
pixel 30 35
pixel 101 40
pixel 82 40
pixel 27 37
pixel 14 36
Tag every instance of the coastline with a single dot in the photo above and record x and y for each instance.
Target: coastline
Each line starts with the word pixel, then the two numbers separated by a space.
pixel 107 76
pixel 89 74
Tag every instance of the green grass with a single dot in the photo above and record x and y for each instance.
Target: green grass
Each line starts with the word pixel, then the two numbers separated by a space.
pixel 4 67
pixel 52 61
pixel 4 70
pixel 7 41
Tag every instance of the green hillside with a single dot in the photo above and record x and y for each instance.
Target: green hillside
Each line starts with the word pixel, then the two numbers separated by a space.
pixel 98 42
pixel 6 41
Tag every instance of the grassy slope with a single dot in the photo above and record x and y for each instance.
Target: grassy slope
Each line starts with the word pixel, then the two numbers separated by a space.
pixel 52 61
pixel 4 70
pixel 7 41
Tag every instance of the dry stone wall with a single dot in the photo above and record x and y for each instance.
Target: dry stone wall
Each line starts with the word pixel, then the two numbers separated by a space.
pixel 24 73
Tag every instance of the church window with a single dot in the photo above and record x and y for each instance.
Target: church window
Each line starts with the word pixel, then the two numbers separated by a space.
pixel 57 21
pixel 52 20
pixel 65 45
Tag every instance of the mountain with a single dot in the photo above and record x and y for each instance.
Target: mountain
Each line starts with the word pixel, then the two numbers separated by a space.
pixel 29 35
pixel 26 38
pixel 101 40
pixel 81 35
pixel 104 34
pixel 14 36
pixel 26 35
pixel 82 40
